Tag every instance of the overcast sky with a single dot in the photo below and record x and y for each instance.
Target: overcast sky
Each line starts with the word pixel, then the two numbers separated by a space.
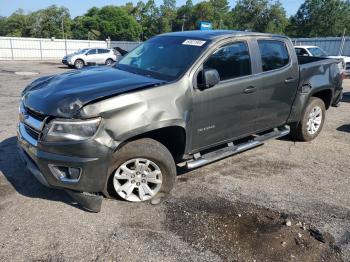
pixel 79 7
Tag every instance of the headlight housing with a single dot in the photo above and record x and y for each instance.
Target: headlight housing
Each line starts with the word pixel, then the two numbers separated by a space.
pixel 71 130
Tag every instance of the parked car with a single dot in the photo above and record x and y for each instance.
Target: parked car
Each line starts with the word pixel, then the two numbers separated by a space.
pixel 193 97
pixel 319 52
pixel 90 56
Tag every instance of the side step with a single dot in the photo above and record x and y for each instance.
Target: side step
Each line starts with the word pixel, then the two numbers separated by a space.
pixel 231 149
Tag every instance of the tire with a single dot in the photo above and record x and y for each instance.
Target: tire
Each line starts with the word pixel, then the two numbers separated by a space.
pixel 109 62
pixel 308 128
pixel 130 185
pixel 78 64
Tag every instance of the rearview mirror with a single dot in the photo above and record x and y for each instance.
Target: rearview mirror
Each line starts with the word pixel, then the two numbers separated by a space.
pixel 211 78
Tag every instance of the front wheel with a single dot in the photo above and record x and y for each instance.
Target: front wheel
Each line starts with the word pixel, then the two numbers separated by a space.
pixel 141 170
pixel 109 62
pixel 78 64
pixel 311 122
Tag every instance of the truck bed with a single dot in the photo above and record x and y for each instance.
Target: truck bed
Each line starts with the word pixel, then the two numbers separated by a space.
pixel 312 69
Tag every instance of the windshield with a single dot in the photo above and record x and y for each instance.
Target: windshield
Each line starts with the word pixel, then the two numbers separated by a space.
pixel 82 51
pixel 163 57
pixel 316 51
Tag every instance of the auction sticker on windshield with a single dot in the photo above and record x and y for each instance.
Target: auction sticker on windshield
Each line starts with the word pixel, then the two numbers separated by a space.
pixel 194 42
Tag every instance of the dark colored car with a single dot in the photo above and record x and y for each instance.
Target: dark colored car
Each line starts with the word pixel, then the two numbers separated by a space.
pixel 192 97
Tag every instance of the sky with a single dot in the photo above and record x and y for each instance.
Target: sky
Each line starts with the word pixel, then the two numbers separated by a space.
pixel 79 7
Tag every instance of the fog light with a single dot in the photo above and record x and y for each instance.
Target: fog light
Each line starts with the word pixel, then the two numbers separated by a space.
pixel 74 172
pixel 66 174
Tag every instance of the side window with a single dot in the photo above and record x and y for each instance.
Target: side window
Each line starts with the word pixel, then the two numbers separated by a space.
pixel 230 61
pixel 274 54
pixel 91 52
pixel 301 52
pixel 102 51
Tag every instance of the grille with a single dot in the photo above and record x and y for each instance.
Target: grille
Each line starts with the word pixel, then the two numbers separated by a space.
pixel 33 133
pixel 35 114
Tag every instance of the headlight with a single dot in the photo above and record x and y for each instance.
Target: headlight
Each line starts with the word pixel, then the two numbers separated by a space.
pixel 77 130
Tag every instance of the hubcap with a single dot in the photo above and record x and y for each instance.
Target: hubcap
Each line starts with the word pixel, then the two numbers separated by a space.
pixel 79 65
pixel 314 120
pixel 138 179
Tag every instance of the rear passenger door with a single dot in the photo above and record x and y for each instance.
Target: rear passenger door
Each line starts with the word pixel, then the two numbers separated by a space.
pixel 278 82
pixel 102 55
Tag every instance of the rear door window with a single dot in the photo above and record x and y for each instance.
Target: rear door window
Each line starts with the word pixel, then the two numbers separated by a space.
pixel 102 51
pixel 231 61
pixel 274 54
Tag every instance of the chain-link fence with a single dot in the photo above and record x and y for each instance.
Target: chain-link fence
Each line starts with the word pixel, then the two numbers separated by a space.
pixel 19 48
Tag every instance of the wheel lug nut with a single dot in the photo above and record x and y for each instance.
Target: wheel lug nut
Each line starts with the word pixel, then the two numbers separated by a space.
pixel 132 181
pixel 143 175
pixel 138 183
pixel 132 176
pixel 143 180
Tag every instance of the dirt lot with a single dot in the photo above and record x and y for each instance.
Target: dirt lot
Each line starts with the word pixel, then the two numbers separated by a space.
pixel 232 210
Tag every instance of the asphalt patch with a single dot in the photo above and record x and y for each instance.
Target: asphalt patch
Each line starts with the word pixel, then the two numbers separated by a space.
pixel 244 232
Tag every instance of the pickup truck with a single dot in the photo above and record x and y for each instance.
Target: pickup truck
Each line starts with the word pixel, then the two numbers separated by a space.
pixel 186 97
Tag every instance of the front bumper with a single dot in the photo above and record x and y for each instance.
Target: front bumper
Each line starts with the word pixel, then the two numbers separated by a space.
pixel 90 156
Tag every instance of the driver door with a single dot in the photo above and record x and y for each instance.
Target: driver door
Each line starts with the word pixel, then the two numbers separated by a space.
pixel 91 56
pixel 227 110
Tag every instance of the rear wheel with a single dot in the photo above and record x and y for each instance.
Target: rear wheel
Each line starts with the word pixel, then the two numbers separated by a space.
pixel 78 64
pixel 141 170
pixel 311 122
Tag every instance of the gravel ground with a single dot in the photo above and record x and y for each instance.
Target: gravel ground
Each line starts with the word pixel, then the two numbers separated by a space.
pixel 233 210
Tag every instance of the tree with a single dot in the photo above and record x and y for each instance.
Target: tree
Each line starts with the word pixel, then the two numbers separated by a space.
pixel 259 15
pixel 49 22
pixel 109 21
pixel 17 24
pixel 184 17
pixel 167 16
pixel 2 25
pixel 220 10
pixel 320 18
pixel 202 11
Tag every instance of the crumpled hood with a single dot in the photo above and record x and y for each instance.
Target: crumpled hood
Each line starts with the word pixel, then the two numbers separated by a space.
pixel 63 95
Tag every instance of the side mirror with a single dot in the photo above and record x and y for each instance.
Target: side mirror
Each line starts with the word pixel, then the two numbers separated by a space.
pixel 211 78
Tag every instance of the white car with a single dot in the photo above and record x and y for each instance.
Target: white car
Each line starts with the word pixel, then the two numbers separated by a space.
pixel 310 50
pixel 90 56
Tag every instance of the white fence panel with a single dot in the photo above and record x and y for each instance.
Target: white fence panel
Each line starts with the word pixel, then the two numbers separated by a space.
pixel 19 48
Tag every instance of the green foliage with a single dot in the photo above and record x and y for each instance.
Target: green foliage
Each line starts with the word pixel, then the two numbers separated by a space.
pixel 259 15
pixel 320 18
pixel 109 21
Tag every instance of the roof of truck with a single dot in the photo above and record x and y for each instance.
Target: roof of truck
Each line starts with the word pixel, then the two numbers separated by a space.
pixel 215 34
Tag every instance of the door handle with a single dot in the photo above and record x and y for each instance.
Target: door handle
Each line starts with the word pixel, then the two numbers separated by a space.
pixel 290 80
pixel 249 90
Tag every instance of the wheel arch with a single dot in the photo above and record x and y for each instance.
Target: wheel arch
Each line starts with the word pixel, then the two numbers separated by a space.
pixel 326 95
pixel 173 137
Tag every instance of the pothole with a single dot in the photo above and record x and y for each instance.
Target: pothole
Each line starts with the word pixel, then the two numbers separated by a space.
pixel 26 73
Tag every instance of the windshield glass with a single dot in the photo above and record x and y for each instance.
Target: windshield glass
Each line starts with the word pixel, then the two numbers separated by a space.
pixel 163 57
pixel 316 51
pixel 82 51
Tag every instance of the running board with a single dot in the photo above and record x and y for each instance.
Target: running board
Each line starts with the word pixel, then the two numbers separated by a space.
pixel 231 149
